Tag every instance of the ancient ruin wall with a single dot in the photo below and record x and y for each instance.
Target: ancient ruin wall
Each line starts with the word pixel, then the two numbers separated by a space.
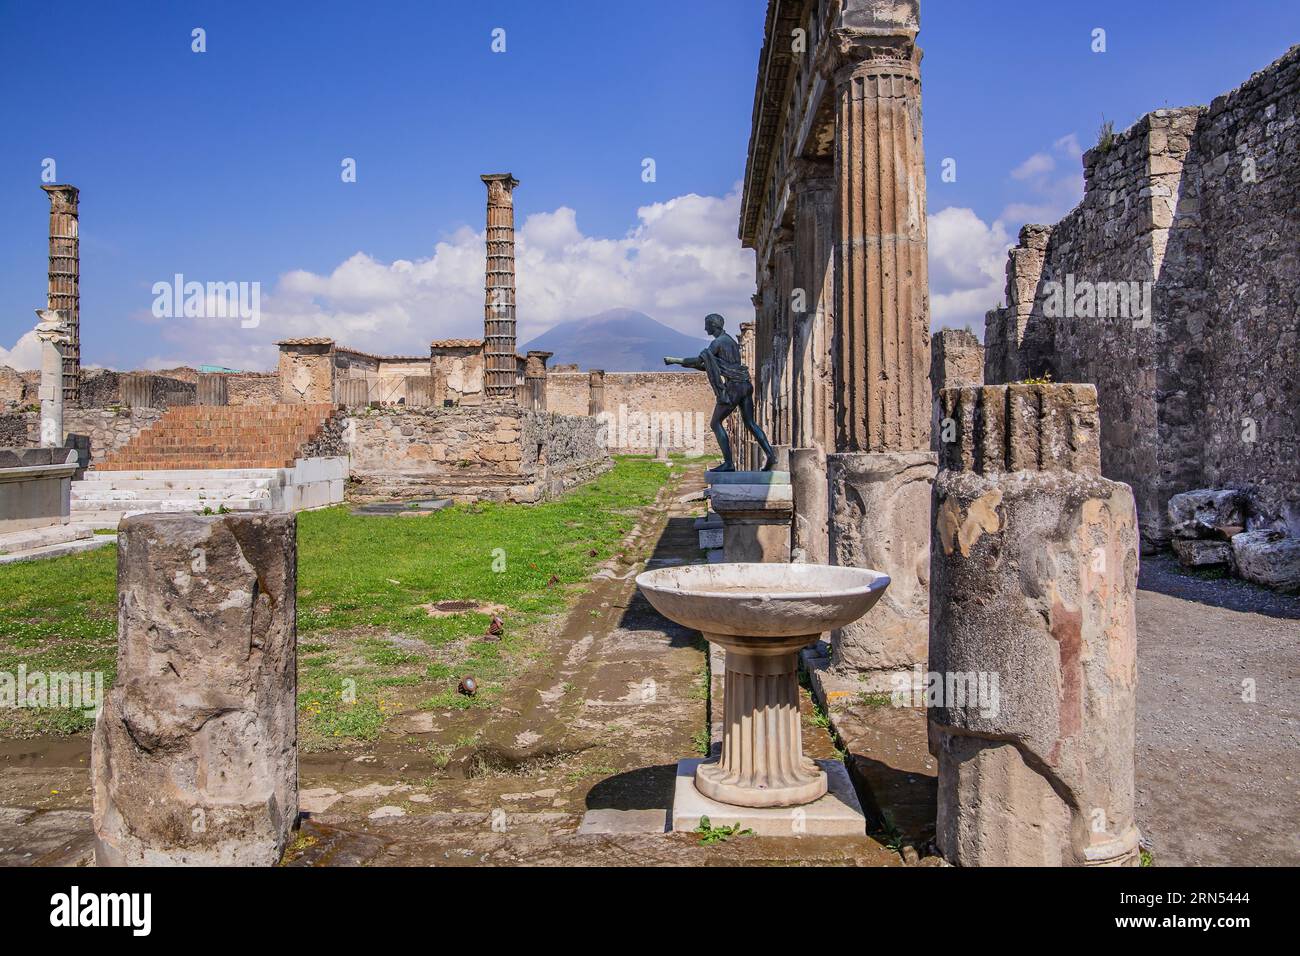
pixel 104 429
pixel 498 451
pixel 253 388
pixel 1199 205
pixel 1249 150
pixel 678 403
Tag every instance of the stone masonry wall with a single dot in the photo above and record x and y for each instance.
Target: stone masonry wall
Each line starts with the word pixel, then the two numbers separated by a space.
pixel 105 429
pixel 253 388
pixel 640 405
pixel 1198 206
pixel 490 451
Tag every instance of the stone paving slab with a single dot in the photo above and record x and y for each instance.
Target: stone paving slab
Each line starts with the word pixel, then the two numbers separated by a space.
pixel 836 814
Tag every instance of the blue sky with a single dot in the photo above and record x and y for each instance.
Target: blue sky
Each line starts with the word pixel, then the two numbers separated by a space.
pixel 225 165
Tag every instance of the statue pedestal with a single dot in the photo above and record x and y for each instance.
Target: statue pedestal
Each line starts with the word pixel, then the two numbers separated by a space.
pixel 756 508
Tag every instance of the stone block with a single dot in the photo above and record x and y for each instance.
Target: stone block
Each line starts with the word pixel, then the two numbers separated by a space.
pixel 1202 553
pixel 837 813
pixel 1203 513
pixel 1270 558
pixel 194 759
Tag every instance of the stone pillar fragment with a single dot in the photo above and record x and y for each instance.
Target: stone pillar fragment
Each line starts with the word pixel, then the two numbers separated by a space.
pixel 55 338
pixel 535 379
pixel 809 534
pixel 1032 637
pixel 194 759
pixel 880 519
pixel 595 392
pixel 64 294
pixel 501 372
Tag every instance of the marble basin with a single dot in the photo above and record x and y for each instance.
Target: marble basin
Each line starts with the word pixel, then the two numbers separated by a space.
pixel 762 600
pixel 762 614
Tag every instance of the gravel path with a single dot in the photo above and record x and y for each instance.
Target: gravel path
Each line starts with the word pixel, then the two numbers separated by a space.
pixel 1218 774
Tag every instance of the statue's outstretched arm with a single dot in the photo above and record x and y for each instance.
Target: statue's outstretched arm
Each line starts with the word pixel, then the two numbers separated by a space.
pixel 695 363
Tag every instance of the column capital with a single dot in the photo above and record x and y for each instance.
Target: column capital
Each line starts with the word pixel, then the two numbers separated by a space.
pixel 63 196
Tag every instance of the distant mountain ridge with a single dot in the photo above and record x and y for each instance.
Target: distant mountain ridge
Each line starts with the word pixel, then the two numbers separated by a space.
pixel 617 340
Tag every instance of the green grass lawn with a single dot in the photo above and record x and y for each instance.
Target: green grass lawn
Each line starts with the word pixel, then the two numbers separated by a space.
pixel 369 645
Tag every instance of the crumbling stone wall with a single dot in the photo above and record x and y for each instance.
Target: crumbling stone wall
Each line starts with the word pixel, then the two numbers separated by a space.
pixel 494 451
pixel 13 389
pixel 568 392
pixel 253 388
pixel 1196 378
pixel 103 430
pixel 641 405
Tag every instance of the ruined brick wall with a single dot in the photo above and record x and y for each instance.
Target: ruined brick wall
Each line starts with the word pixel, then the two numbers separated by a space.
pixel 568 392
pixel 641 405
pixel 459 370
pixel 19 429
pixel 253 388
pixel 14 390
pixel 1197 206
pixel 492 451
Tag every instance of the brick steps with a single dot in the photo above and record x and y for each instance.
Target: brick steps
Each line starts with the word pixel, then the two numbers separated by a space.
pixel 197 437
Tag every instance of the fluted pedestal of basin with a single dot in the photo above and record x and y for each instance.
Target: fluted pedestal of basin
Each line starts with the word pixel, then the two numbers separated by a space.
pixel 762 761
pixel 762 615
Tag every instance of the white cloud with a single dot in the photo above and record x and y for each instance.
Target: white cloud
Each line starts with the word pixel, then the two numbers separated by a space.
pixel 25 355
pixel 681 261
pixel 968 260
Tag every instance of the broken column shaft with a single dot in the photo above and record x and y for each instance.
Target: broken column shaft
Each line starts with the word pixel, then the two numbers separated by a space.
pixel 194 758
pixel 64 295
pixel 1035 560
pixel 500 361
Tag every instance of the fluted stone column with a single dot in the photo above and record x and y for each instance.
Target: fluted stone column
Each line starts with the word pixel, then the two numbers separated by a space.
pixel 812 373
pixel 1035 560
pixel 64 294
pixel 595 392
pixel 783 260
pixel 882 472
pixel 500 377
pixel 882 286
pixel 194 759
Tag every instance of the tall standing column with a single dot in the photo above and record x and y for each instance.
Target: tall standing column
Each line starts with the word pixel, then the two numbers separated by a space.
pixel 64 294
pixel 812 376
pixel 882 290
pixel 813 411
pixel 501 364
pixel 882 473
pixel 783 256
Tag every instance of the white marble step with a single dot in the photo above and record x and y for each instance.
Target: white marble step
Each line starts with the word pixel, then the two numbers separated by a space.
pixel 131 506
pixel 94 484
